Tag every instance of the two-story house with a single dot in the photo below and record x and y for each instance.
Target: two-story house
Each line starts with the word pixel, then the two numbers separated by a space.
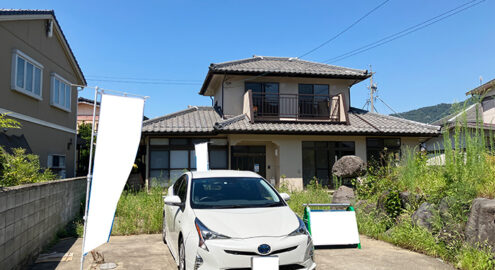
pixel 287 119
pixel 38 72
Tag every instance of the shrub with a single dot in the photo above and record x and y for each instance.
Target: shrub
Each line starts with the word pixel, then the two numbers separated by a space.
pixel 20 168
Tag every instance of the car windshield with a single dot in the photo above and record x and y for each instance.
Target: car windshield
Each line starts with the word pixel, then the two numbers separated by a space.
pixel 233 192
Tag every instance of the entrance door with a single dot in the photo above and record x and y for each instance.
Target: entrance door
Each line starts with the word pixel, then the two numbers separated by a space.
pixel 249 158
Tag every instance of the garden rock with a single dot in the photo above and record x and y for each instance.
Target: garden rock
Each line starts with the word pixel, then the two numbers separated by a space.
pixel 364 206
pixel 408 198
pixel 481 223
pixel 343 195
pixel 424 216
pixel 380 204
pixel 349 167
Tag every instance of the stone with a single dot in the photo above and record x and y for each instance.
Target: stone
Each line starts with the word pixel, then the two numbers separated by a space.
pixel 380 204
pixel 409 199
pixel 480 227
pixel 424 216
pixel 364 206
pixel 349 167
pixel 343 195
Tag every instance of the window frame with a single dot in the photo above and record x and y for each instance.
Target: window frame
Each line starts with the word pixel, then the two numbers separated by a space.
pixel 54 76
pixel 380 148
pixel 189 147
pixel 264 95
pixel 27 59
pixel 338 150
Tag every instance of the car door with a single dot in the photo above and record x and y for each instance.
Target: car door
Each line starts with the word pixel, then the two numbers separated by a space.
pixel 170 216
pixel 182 193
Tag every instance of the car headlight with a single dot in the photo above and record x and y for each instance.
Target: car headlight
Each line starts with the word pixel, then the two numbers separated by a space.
pixel 206 234
pixel 301 230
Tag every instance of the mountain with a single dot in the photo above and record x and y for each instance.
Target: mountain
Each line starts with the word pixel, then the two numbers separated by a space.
pixel 433 113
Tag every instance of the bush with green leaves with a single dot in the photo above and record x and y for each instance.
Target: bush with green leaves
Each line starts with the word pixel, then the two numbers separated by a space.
pixel 21 168
pixel 466 171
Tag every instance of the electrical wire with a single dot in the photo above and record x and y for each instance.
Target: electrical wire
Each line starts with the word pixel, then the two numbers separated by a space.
pixel 139 79
pixel 406 31
pixel 145 82
pixel 345 30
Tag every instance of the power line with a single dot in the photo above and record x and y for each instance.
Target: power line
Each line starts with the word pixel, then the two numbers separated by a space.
pixel 345 30
pixel 406 31
pixel 146 82
pixel 139 79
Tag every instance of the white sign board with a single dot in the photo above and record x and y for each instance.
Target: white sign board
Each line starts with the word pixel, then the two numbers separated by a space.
pixel 334 228
pixel 119 132
pixel 201 150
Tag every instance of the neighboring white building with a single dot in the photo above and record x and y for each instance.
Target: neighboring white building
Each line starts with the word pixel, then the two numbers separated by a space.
pixel 475 115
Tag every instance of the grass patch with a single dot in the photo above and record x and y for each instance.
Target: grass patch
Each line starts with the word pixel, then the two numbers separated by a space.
pixel 139 213
pixel 466 171
pixel 314 193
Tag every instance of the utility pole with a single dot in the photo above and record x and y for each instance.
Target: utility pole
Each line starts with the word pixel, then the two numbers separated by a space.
pixel 372 88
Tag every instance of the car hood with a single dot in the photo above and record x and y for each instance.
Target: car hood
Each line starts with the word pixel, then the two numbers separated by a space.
pixel 249 222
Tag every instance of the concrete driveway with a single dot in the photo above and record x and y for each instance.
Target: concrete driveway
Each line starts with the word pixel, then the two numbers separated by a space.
pixel 148 252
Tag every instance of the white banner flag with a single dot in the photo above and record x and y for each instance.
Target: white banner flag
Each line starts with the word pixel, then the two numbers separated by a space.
pixel 119 132
pixel 201 150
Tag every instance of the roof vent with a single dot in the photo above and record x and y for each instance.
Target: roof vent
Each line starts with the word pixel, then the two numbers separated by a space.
pixel 293 58
pixel 257 56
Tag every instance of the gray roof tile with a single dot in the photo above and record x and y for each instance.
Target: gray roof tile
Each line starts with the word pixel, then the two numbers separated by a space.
pixel 286 65
pixel 207 120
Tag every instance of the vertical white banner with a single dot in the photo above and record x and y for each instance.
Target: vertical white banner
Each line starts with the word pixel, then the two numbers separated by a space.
pixel 201 150
pixel 119 132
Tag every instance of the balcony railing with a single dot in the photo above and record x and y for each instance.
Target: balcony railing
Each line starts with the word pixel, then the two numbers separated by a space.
pixel 268 106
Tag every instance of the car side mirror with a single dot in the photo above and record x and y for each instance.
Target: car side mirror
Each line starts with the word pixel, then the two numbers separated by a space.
pixel 173 200
pixel 285 196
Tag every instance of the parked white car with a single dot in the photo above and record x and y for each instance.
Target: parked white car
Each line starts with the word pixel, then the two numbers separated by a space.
pixel 232 220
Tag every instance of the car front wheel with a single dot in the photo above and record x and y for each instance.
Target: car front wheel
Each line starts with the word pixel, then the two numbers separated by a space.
pixel 182 256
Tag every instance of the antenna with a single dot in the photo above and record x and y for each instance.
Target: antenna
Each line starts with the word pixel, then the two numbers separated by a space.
pixel 373 88
pixel 481 80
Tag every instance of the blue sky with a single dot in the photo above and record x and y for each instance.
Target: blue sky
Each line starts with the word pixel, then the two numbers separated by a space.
pixel 168 45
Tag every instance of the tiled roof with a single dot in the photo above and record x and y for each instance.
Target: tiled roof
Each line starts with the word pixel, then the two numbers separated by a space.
pixel 206 119
pixel 286 65
pixel 470 114
pixel 195 119
pixel 282 66
pixel 482 89
pixel 27 12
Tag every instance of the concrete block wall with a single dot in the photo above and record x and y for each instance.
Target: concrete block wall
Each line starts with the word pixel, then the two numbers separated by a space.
pixel 31 215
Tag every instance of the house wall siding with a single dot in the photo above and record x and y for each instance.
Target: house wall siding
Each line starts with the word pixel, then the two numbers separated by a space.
pixel 29 36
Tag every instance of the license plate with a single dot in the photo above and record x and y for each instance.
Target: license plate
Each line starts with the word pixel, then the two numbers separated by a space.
pixel 264 263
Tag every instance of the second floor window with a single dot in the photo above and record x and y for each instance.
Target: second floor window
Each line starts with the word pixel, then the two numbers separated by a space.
pixel 265 98
pixel 314 100
pixel 27 74
pixel 61 92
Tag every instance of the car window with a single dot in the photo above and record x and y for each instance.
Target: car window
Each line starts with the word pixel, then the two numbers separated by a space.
pixel 177 184
pixel 233 192
pixel 182 192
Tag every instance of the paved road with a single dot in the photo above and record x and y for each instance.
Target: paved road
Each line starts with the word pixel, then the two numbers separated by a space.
pixel 148 252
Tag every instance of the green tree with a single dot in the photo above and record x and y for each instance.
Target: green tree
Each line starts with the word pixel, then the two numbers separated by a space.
pixel 20 168
pixel 7 122
pixel 84 133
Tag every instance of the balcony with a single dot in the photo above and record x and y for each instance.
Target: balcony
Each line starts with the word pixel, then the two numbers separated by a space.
pixel 294 107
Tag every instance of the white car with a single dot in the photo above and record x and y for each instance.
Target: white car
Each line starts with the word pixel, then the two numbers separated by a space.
pixel 232 220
